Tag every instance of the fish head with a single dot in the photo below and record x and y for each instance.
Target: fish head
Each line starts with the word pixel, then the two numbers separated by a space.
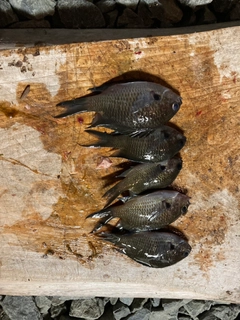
pixel 155 105
pixel 178 249
pixel 176 142
pixel 167 99
pixel 176 203
pixel 173 164
pixel 183 203
pixel 170 100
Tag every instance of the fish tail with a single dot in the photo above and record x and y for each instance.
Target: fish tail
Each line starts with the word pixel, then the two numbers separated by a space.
pixel 110 237
pixel 111 194
pixel 73 106
pixel 104 215
pixel 104 139
pixel 100 214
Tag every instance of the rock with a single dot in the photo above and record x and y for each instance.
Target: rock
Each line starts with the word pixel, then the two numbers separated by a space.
pixel 234 14
pixel 113 301
pixel 156 9
pixel 108 314
pixel 7 15
pixel 162 314
pixel 137 304
pixel 184 317
pixel 131 4
pixel 57 310
pixel 58 300
pixel 142 314
pixel 30 24
pixel 43 304
pixel 222 5
pixel 129 19
pixel 20 308
pixel 106 5
pixel 195 3
pixel 172 305
pixel 33 9
pixel 223 312
pixel 3 315
pixel 165 10
pixel 66 317
pixel 145 14
pixel 207 315
pixel 171 11
pixel 120 310
pixel 80 14
pixel 195 307
pixel 206 16
pixel 89 308
pixel 110 18
pixel 155 302
pixel 105 300
pixel 127 301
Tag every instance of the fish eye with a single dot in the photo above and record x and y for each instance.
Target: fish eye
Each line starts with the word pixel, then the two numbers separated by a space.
pixel 182 142
pixel 172 246
pixel 168 205
pixel 161 167
pixel 185 254
pixel 179 166
pixel 165 134
pixel 184 209
pixel 175 106
pixel 156 96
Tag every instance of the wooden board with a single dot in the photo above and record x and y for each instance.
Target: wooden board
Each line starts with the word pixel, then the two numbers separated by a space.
pixel 48 183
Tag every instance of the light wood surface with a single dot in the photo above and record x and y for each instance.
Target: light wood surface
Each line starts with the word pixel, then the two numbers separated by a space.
pixel 49 184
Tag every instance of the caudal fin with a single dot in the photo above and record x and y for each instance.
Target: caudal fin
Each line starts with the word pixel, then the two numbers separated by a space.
pixel 104 215
pixel 112 194
pixel 110 237
pixel 100 214
pixel 104 139
pixel 73 106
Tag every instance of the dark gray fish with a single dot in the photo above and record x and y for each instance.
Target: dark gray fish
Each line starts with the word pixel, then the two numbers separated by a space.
pixel 148 212
pixel 154 249
pixel 127 107
pixel 145 176
pixel 160 145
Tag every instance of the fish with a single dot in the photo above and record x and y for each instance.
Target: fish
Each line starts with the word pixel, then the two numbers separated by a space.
pixel 156 249
pixel 148 212
pixel 126 107
pixel 161 144
pixel 157 175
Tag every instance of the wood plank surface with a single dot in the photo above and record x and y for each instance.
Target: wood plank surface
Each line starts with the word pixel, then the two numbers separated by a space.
pixel 49 184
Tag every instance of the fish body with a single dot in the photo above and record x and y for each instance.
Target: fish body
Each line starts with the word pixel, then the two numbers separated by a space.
pixel 161 144
pixel 148 212
pixel 154 249
pixel 144 177
pixel 128 106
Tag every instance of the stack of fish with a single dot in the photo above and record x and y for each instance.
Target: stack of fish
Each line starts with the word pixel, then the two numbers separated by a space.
pixel 138 112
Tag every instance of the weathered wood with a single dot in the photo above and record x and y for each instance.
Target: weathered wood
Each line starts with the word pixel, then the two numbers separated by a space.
pixel 48 183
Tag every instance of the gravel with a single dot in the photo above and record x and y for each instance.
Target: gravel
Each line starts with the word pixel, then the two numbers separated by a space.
pixel 73 308
pixel 115 13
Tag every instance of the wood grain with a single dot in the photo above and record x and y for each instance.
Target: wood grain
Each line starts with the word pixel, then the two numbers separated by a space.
pixel 49 184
